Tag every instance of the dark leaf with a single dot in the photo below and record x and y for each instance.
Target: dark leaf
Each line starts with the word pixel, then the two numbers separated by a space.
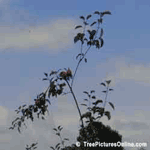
pixel 19 107
pixel 110 89
pixel 66 139
pixel 43 118
pixel 111 104
pixel 93 97
pixel 104 91
pixel 98 101
pixel 107 113
pixel 89 43
pixel 34 147
pixel 97 12
pixel 88 17
pixel 85 60
pixel 89 108
pixel 93 23
pixel 57 145
pixel 78 56
pixel 92 91
pixel 102 32
pixel 86 115
pixel 55 129
pixel 76 39
pixel 84 104
pixel 85 39
pixel 52 148
pixel 85 92
pixel 81 17
pixel 58 134
pixel 102 42
pixel 106 12
pixel 46 74
pixel 93 32
pixel 85 99
pixel 103 84
pixel 78 27
pixel 108 82
pixel 44 78
pixel 87 121
pixel 19 129
pixel 59 127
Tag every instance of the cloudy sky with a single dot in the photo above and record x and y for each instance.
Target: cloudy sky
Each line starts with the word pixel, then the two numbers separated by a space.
pixel 37 37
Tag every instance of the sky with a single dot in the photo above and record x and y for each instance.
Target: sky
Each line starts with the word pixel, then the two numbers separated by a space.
pixel 37 37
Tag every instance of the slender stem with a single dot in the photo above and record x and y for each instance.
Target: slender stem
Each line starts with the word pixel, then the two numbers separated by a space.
pixel 75 101
pixel 78 65
pixel 62 141
pixel 106 96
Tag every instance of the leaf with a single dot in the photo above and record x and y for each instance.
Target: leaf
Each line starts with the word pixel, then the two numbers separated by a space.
pixel 85 60
pixel 46 74
pixel 24 105
pixel 59 127
pixel 81 17
pixel 58 134
pixel 108 82
pixel 85 92
pixel 107 113
pixel 55 129
pixel 106 12
pixel 97 12
pixel 111 104
pixel 110 89
pixel 92 91
pixel 93 32
pixel 19 107
pixel 102 32
pixel 19 129
pixel 86 99
pixel 88 17
pixel 86 115
pixel 98 101
pixel 76 39
pixel 102 42
pixel 93 97
pixel 78 56
pixel 104 91
pixel 66 139
pixel 57 145
pixel 52 148
pixel 103 84
pixel 44 78
pixel 84 104
pixel 78 27
pixel 93 23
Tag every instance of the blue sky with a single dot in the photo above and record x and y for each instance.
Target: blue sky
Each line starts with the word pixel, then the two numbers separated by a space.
pixel 25 56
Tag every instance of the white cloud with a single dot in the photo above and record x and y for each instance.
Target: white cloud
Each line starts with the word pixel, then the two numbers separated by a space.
pixel 56 36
